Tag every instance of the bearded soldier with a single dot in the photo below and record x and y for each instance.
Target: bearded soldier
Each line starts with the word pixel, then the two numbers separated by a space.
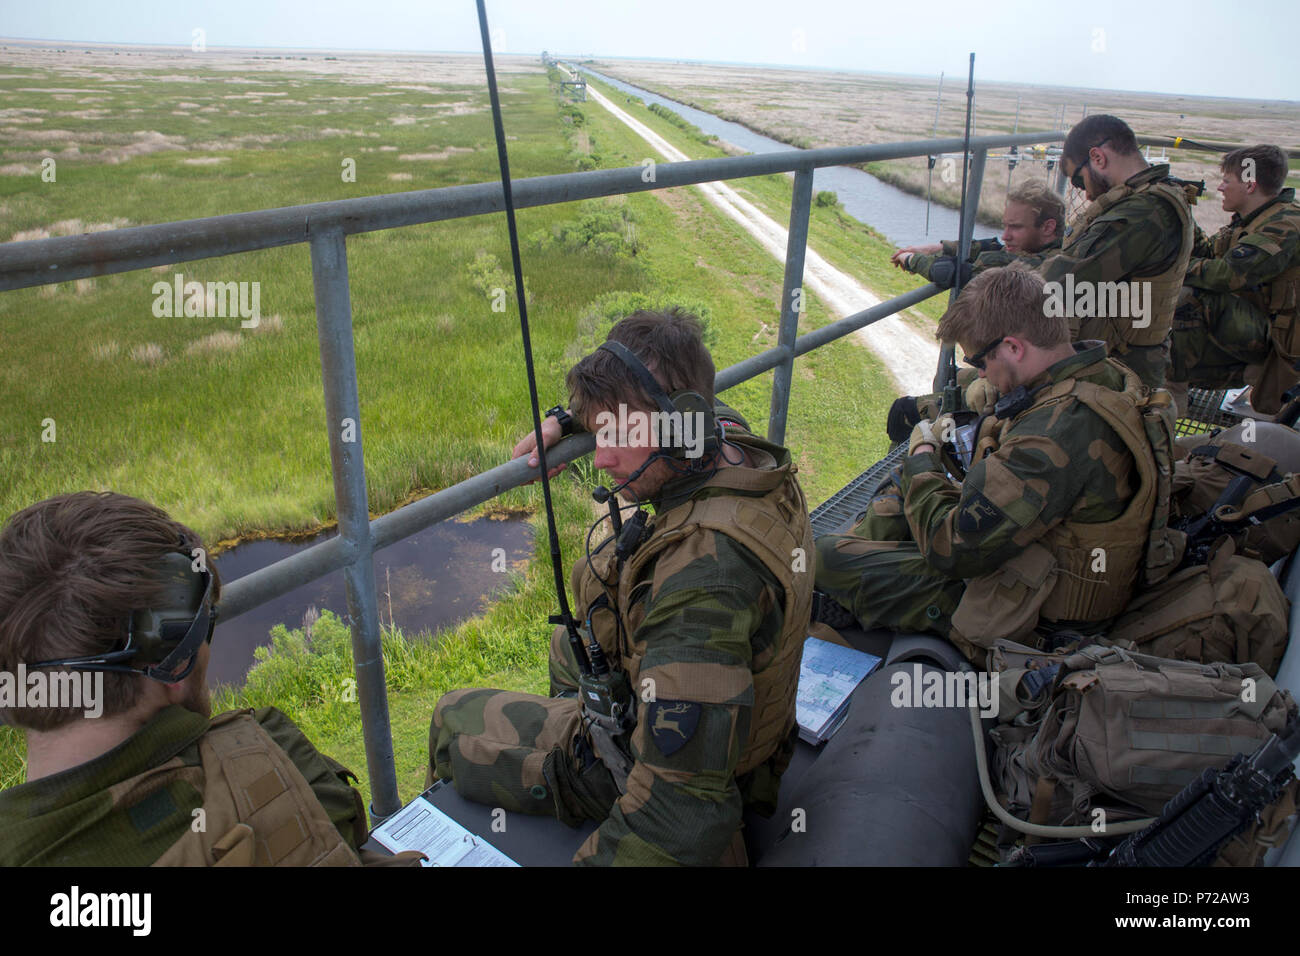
pixel 107 586
pixel 1136 230
pixel 1240 324
pixel 703 608
pixel 1032 221
pixel 1049 529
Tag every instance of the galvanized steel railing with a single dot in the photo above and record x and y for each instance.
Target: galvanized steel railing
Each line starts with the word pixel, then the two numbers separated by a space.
pixel 326 226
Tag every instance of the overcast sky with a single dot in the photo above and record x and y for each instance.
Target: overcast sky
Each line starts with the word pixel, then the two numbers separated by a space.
pixel 1225 48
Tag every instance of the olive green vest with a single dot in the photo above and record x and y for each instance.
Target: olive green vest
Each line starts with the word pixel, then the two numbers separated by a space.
pixel 1119 333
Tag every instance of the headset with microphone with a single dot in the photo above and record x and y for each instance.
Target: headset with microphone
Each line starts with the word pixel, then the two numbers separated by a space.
pixel 162 641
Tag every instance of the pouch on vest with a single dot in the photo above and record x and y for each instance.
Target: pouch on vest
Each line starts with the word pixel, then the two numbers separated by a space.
pixel 1231 610
pixel 259 810
pixel 1124 732
pixel 1005 603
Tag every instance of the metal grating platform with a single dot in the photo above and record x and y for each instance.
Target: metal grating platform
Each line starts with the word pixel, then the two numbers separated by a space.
pixel 843 509
pixel 1205 414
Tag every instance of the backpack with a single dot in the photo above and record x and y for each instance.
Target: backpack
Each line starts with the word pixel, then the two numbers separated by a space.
pixel 1229 610
pixel 1203 476
pixel 1122 733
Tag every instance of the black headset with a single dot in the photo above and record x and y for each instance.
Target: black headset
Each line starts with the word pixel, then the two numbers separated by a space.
pixel 679 404
pixel 165 639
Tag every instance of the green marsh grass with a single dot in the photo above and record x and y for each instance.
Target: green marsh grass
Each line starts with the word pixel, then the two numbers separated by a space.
pixel 230 438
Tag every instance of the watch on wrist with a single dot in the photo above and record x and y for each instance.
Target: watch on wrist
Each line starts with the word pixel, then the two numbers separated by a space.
pixel 563 417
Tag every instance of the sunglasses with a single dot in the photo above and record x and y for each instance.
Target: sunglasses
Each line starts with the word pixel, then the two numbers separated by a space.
pixel 1076 177
pixel 977 360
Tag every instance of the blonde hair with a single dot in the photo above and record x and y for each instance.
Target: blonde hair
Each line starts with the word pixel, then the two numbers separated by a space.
pixel 1001 302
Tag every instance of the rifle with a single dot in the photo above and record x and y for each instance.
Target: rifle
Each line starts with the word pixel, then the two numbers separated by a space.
pixel 1232 513
pixel 1214 808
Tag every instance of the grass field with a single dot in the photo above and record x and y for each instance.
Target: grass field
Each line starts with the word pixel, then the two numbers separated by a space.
pixel 224 427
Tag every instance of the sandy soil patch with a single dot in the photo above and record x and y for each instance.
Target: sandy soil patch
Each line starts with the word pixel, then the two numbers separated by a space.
pixel 400 177
pixel 206 160
pixel 217 342
pixel 441 154
pixel 148 354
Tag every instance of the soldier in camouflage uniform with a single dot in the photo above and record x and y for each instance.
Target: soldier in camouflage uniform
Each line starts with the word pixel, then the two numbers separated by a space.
pixel 1240 326
pixel 1056 475
pixel 1137 227
pixel 130 786
pixel 706 617
pixel 1031 231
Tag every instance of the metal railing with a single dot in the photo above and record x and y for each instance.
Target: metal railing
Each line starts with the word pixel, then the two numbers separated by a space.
pixel 325 227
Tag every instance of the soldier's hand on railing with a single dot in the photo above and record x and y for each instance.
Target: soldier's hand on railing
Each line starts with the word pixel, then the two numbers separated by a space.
pixel 551 433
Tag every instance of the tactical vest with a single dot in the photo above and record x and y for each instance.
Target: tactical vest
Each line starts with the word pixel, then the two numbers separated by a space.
pixel 1119 332
pixel 1137 545
pixel 771 525
pixel 258 809
pixel 1280 299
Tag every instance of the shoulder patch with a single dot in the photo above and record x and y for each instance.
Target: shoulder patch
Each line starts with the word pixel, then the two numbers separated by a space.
pixel 673 723
pixel 1242 251
pixel 979 515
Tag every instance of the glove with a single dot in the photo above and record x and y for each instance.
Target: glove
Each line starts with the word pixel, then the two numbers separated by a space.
pixel 943 270
pixel 981 396
pixel 903 414
pixel 931 433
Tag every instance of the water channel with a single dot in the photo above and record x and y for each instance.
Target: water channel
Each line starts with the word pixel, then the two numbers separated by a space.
pixel 433 579
pixel 898 215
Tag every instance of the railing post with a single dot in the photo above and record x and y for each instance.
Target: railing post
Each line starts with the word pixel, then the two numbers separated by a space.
pixel 329 266
pixel 976 180
pixel 792 302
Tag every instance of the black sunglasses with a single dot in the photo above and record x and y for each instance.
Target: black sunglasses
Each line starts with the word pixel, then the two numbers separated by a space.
pixel 977 360
pixel 1076 177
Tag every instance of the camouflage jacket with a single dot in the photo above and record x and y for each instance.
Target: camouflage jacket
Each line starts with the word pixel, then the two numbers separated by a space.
pixel 73 818
pixel 1232 262
pixel 1056 462
pixel 1138 236
pixel 704 629
pixel 984 254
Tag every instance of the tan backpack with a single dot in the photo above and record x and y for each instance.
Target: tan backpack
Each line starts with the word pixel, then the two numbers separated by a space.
pixel 1211 465
pixel 1122 733
pixel 1230 610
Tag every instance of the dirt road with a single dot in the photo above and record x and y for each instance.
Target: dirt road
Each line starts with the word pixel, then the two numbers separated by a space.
pixel 910 356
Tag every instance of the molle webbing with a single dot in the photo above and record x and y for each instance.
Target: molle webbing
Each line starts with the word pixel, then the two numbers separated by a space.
pixel 258 809
pixel 1131 543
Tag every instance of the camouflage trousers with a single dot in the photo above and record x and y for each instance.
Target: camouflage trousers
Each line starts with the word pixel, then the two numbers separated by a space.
pixel 1215 337
pixel 1150 362
pixel 521 752
pixel 886 583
